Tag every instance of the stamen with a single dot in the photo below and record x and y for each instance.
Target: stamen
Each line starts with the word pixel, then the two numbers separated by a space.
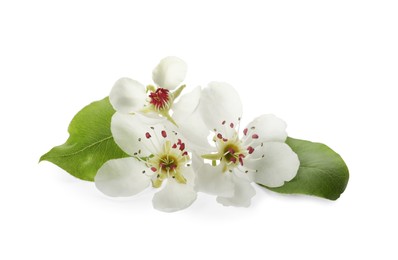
pixel 164 134
pixel 231 125
pixel 245 169
pixel 255 136
pixel 160 98
pixel 250 149
pixel 238 125
pixel 258 158
pixel 148 135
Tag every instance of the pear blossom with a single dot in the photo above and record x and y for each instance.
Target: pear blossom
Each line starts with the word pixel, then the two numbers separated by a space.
pixel 130 96
pixel 158 156
pixel 257 153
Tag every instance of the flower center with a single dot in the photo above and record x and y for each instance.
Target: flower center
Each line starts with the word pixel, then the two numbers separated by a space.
pixel 231 150
pixel 160 99
pixel 168 161
pixel 231 153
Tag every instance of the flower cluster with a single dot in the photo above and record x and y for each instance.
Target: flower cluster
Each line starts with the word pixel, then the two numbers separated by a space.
pixel 193 143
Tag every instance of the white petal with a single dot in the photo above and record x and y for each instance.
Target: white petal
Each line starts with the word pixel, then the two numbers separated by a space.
pixel 187 104
pixel 189 120
pixel 220 102
pixel 266 128
pixel 243 194
pixel 122 177
pixel 169 73
pixel 175 196
pixel 211 179
pixel 129 133
pixel 189 175
pixel 127 95
pixel 152 118
pixel 278 165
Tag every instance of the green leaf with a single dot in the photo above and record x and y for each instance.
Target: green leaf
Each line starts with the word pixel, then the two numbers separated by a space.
pixel 322 171
pixel 90 143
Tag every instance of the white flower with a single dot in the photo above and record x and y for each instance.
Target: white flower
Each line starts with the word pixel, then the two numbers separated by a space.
pixel 130 96
pixel 259 154
pixel 190 122
pixel 158 155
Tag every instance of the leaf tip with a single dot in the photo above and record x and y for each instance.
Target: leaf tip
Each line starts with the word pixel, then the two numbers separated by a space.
pixel 42 158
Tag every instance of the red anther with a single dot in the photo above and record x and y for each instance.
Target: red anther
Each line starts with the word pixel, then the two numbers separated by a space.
pixel 250 149
pixel 240 160
pixel 179 141
pixel 232 159
pixel 182 146
pixel 255 136
pixel 147 135
pixel 231 125
pixel 159 98
pixel 245 131
pixel 185 153
pixel 223 122
pixel 231 151
pixel 154 169
pixel 174 146
pixel 173 166
pixel 164 134
pixel 225 139
pixel 219 136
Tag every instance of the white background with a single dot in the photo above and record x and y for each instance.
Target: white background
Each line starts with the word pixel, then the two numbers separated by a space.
pixel 328 68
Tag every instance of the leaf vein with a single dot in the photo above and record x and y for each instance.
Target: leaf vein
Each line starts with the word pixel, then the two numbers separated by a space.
pixel 83 149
